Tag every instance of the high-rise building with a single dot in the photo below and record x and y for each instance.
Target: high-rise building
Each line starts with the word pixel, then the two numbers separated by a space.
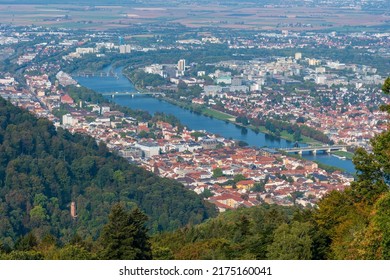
pixel 298 56
pixel 181 65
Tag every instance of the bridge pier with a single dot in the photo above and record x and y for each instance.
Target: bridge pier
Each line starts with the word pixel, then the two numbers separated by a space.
pixel 314 152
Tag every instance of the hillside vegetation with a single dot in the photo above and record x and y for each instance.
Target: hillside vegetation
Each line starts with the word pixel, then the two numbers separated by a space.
pixel 44 169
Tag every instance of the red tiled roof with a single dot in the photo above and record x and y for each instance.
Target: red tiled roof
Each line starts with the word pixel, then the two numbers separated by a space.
pixel 67 99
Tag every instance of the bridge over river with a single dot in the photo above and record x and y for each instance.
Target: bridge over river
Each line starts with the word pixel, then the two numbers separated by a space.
pixel 315 149
pixel 132 94
pixel 89 74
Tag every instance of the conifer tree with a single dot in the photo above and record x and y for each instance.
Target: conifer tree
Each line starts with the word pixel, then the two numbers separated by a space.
pixel 125 235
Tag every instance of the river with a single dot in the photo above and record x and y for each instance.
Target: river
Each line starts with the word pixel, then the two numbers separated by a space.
pixel 196 121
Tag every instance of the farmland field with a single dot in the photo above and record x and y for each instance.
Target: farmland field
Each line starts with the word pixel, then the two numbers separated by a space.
pixel 191 15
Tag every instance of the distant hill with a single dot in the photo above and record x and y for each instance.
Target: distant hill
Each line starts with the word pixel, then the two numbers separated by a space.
pixel 44 170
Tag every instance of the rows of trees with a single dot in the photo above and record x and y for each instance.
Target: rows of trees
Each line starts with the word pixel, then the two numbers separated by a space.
pixel 276 126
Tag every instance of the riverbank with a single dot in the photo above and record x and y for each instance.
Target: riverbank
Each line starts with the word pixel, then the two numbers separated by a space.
pixel 286 136
pixel 213 113
pixel 199 121
pixel 209 112
pixel 346 155
pixel 326 167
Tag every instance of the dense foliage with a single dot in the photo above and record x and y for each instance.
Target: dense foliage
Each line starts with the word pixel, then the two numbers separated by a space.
pixel 273 232
pixel 141 79
pixel 275 126
pixel 44 169
pixel 125 236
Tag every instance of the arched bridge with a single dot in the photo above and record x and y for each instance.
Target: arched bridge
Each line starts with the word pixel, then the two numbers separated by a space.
pixel 315 149
pixel 113 94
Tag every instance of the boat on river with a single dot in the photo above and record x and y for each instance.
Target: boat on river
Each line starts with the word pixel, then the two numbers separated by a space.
pixel 339 157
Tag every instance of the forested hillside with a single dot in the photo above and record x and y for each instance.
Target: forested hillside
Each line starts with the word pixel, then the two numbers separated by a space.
pixel 264 232
pixel 44 170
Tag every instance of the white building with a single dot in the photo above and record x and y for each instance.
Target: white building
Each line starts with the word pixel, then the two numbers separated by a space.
pixel 320 79
pixel 320 70
pixel 124 49
pixel 103 122
pixel 107 45
pixel 105 109
pixel 149 148
pixel 155 69
pixel 84 50
pixel 7 81
pixel 181 67
pixel 68 120
pixel 314 62
pixel 212 90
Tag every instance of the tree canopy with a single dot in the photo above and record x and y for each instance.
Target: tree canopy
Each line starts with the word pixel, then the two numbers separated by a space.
pixel 125 236
pixel 43 170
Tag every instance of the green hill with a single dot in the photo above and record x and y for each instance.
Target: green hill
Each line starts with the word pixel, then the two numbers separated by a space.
pixel 44 170
pixel 264 232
